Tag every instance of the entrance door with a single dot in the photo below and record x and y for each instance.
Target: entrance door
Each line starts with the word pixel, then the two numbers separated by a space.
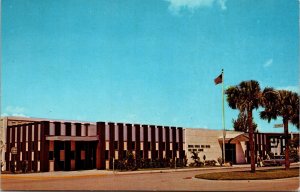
pixel 85 155
pixel 230 153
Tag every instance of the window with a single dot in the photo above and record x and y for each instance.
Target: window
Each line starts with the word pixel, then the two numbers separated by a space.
pixel 189 149
pixel 197 146
pixel 194 149
pixel 141 154
pixel 202 146
pixel 133 145
pixel 190 146
pixel 163 146
pixel 124 154
pixel 116 146
pixel 176 146
pixel 200 149
pixel 50 155
pixel 207 146
pixel 106 154
pixel 149 145
pixel 32 146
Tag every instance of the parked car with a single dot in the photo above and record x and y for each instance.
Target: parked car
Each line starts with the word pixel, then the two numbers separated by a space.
pixel 278 160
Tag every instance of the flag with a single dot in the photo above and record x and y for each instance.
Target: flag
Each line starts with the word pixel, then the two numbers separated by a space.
pixel 219 79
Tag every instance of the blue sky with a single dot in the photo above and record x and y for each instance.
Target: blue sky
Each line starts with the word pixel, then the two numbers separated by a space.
pixel 151 61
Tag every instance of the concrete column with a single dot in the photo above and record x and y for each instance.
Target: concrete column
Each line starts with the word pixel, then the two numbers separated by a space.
pixel 44 146
pixel 67 148
pixel 145 143
pixel 29 147
pixel 57 128
pixel 167 131
pixel 23 145
pixel 160 143
pixel 121 140
pixel 153 143
pixel 263 145
pixel 35 149
pixel 18 147
pixel 180 144
pixel 129 137
pixel 259 143
pixel 173 142
pixel 137 143
pixel 86 129
pixel 100 153
pixel 68 128
pixel 111 143
pixel 78 129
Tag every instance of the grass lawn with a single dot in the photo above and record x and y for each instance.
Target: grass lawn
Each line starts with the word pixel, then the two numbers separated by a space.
pixel 247 175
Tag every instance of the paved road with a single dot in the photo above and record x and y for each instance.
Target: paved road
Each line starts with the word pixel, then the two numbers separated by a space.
pixel 146 181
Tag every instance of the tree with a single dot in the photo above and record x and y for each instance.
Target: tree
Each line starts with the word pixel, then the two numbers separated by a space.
pixel 196 159
pixel 285 104
pixel 245 97
pixel 241 123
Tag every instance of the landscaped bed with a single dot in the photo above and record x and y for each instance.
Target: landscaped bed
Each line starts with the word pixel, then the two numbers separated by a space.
pixel 247 175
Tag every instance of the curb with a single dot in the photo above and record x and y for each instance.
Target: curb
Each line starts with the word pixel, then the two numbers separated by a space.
pixel 42 177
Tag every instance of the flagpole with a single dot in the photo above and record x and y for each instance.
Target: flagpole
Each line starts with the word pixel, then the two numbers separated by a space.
pixel 223 116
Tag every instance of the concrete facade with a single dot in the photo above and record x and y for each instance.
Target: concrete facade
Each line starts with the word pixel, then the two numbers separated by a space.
pixel 209 143
pixel 52 145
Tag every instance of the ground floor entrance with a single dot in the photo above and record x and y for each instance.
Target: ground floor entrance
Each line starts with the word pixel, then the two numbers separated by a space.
pixel 230 153
pixel 73 155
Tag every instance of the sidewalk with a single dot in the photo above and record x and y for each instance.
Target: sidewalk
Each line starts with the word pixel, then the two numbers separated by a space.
pixel 94 172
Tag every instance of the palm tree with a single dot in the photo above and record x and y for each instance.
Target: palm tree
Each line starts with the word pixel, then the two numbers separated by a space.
pixel 281 103
pixel 245 97
pixel 241 123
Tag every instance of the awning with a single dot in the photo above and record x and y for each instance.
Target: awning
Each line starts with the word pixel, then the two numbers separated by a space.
pixel 72 138
pixel 233 137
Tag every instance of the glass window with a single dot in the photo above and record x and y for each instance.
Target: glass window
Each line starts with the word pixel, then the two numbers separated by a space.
pixel 163 145
pixel 106 154
pixel 51 155
pixel 116 146
pixel 197 146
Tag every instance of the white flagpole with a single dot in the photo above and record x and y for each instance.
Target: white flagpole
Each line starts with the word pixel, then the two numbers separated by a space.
pixel 223 116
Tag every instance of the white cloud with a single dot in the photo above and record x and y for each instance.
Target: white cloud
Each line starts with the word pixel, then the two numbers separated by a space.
pixel 268 63
pixel 290 88
pixel 14 111
pixel 176 5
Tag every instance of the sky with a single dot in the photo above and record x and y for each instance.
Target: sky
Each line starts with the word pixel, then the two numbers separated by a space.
pixel 148 62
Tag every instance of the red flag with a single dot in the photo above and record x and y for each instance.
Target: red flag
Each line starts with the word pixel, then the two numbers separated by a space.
pixel 219 79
